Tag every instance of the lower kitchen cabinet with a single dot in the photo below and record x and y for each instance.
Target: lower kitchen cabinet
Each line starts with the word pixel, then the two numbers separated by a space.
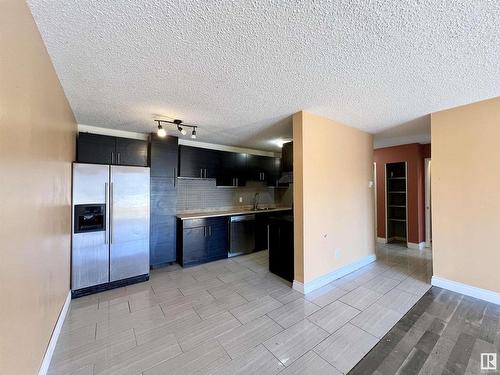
pixel 281 260
pixel 202 240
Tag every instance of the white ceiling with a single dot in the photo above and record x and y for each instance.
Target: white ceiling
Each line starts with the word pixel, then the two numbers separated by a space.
pixel 239 69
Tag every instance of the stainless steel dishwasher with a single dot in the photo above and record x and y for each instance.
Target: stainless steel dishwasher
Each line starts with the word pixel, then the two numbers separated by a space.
pixel 242 235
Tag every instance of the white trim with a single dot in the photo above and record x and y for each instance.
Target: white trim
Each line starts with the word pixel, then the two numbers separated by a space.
pixel 112 132
pixel 187 142
pixel 381 240
pixel 329 277
pixel 416 246
pixel 468 290
pixel 55 335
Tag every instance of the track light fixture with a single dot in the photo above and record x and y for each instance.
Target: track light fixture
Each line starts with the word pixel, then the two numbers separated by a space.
pixel 162 133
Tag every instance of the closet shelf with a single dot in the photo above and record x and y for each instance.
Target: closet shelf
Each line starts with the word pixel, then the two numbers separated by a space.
pixel 397 205
pixel 399 220
pixel 397 192
pixel 397 178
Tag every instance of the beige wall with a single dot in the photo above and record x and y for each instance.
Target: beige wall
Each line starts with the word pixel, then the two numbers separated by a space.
pixel 36 149
pixel 466 194
pixel 333 203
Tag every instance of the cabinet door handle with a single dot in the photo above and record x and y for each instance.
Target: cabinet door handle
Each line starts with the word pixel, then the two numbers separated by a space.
pixel 119 158
pixel 201 172
pixel 204 231
pixel 112 157
pixel 205 173
pixel 236 181
pixel 210 231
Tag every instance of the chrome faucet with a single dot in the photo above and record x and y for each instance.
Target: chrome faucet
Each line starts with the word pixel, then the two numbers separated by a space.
pixel 255 201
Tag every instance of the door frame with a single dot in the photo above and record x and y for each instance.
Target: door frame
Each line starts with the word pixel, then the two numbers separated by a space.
pixel 428 202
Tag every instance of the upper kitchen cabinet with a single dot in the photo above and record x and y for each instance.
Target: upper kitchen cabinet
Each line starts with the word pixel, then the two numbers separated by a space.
pixel 104 149
pixel 163 156
pixel 131 152
pixel 263 168
pixel 232 169
pixel 196 162
pixel 95 148
pixel 287 157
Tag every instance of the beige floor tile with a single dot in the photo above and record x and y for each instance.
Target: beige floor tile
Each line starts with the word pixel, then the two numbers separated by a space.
pixel 346 347
pixel 241 339
pixel 381 284
pixel 286 295
pixel 201 360
pixel 293 342
pixel 187 319
pixel 257 361
pixel 377 320
pixel 333 316
pixel 326 294
pixel 142 319
pixel 310 364
pixel 413 286
pixel 218 305
pixel 360 298
pixel 293 312
pixel 398 300
pixel 191 336
pixel 66 361
pixel 252 310
pixel 140 358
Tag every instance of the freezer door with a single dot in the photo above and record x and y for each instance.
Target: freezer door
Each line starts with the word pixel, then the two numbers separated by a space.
pixel 90 251
pixel 129 222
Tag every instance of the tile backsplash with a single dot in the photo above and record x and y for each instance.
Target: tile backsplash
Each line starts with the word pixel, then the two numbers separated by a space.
pixel 197 194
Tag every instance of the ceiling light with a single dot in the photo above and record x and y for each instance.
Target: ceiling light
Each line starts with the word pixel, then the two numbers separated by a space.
pixel 193 133
pixel 183 132
pixel 161 132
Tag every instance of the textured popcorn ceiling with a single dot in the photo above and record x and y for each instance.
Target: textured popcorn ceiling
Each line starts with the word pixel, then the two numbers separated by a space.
pixel 239 69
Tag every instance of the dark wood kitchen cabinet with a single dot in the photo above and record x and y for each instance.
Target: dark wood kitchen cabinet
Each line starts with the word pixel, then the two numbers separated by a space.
pixel 281 248
pixel 196 162
pixel 263 168
pixel 104 149
pixel 232 167
pixel 287 157
pixel 163 153
pixel 202 240
pixel 163 156
pixel 162 235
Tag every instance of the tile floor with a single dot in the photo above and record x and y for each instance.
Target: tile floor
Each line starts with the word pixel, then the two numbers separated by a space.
pixel 234 317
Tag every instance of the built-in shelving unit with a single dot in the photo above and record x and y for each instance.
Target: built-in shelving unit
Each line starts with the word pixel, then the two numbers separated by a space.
pixel 396 186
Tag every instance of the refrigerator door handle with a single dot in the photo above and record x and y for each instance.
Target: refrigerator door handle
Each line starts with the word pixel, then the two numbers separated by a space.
pixel 111 213
pixel 106 204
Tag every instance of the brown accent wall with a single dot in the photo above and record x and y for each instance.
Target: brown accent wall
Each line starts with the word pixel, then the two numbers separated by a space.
pixel 333 201
pixel 37 132
pixel 414 154
pixel 466 194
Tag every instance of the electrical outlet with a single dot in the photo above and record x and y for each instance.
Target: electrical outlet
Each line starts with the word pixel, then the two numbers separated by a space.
pixel 241 199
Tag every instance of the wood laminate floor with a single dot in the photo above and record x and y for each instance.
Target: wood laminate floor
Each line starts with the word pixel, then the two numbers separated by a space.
pixel 234 317
pixel 444 333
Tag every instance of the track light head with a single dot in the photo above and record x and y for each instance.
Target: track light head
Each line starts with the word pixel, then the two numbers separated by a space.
pixel 183 132
pixel 193 133
pixel 161 132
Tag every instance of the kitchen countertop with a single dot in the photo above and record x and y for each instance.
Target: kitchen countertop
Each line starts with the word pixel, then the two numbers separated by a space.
pixel 236 211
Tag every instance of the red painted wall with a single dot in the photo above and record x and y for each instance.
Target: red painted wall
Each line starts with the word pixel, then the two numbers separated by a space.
pixel 414 155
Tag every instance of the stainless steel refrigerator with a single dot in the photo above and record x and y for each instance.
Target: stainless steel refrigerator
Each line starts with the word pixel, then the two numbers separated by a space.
pixel 110 243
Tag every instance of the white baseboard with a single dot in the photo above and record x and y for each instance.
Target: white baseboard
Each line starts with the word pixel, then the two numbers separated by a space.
pixel 468 290
pixel 55 335
pixel 381 240
pixel 416 246
pixel 329 277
